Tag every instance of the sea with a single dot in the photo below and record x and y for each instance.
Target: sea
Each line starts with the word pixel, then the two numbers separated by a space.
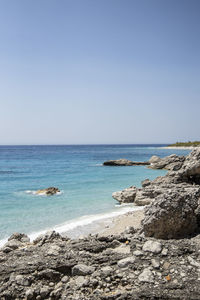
pixel 86 186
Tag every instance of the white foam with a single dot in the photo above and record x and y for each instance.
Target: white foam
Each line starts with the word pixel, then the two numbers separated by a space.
pixel 87 220
pixel 41 194
pixel 2 242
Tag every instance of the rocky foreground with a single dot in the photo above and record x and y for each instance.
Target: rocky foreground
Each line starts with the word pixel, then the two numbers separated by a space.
pixel 160 260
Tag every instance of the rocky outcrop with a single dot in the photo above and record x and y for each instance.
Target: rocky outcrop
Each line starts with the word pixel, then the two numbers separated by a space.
pixel 54 267
pixel 49 191
pixel 125 162
pixel 173 200
pixel 173 214
pixel 126 196
pixel 172 162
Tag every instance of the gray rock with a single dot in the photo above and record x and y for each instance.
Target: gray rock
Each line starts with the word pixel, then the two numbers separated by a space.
pixel 13 244
pixel 21 237
pixel 125 262
pixel 106 271
pixel 154 159
pixel 146 182
pixel 82 269
pixel 155 263
pixel 152 246
pixel 81 281
pixel 193 262
pixel 125 196
pixel 146 276
pixel 29 294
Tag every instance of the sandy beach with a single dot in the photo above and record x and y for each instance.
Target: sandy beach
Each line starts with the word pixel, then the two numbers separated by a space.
pixel 120 223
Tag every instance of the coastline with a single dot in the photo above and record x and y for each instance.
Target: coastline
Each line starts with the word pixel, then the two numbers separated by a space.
pixel 110 223
pixel 179 148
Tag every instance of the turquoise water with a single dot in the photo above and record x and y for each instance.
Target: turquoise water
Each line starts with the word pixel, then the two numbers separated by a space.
pixel 86 186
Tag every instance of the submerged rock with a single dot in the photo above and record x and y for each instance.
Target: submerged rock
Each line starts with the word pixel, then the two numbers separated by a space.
pixel 48 191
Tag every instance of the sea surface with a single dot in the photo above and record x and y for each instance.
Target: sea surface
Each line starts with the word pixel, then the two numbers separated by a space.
pixel 86 185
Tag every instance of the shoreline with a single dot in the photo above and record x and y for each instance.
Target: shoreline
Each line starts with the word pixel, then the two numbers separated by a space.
pixel 109 223
pixel 120 223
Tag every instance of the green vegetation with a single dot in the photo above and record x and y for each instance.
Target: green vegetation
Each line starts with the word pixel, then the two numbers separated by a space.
pixel 186 144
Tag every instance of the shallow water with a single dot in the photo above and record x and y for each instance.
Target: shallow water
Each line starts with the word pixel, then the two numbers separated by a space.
pixel 86 186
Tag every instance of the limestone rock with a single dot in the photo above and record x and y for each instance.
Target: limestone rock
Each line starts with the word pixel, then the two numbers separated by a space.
pixel 82 269
pixel 125 262
pixel 172 215
pixel 146 276
pixel 126 195
pixel 21 237
pixel 152 246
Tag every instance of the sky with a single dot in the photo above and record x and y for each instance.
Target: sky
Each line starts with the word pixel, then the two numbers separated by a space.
pixel 99 71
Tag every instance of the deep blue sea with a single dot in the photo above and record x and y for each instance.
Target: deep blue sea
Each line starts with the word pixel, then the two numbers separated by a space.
pixel 86 186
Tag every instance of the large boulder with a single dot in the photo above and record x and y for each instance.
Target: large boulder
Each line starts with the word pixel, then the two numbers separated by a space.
pixel 173 214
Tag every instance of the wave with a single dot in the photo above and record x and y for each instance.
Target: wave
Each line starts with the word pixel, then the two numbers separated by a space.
pixel 87 220
pixel 41 194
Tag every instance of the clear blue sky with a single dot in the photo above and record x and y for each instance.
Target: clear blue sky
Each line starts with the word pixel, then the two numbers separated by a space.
pixel 99 71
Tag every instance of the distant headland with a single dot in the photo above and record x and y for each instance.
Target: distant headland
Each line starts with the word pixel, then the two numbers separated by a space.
pixel 184 145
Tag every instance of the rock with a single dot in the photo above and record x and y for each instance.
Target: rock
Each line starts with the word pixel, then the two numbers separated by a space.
pixel 145 182
pixel 146 276
pixel 82 269
pixel 172 215
pixel 21 237
pixel 125 262
pixel 152 246
pixel 44 291
pixel 48 191
pixel 53 250
pixel 125 162
pixel 30 294
pixel 13 244
pixel 154 159
pixel 193 262
pixel 81 281
pixel 155 263
pixel 123 249
pixel 138 253
pixel 49 236
pixel 106 271
pixel 126 196
pixel 171 162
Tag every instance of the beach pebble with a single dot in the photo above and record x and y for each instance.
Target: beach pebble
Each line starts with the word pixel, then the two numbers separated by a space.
pixel 155 263
pixel 82 269
pixel 125 262
pixel 146 276
pixel 152 246
pixel 106 271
